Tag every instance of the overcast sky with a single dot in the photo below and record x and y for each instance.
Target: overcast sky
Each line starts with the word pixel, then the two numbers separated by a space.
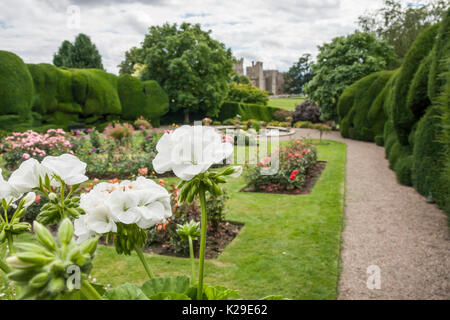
pixel 275 32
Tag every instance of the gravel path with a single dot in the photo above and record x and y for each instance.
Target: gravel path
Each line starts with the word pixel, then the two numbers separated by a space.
pixel 390 226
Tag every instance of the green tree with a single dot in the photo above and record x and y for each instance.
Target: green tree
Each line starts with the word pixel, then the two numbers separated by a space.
pixel 192 68
pixel 81 54
pixel 298 75
pixel 132 58
pixel 343 61
pixel 400 25
pixel 247 93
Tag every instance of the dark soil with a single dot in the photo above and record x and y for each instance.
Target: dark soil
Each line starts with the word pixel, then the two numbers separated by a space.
pixel 311 178
pixel 216 242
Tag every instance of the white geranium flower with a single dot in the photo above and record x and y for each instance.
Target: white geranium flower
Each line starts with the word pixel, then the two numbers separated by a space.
pixel 237 171
pixel 68 167
pixel 6 191
pixel 100 220
pixel 26 177
pixel 29 198
pixel 142 202
pixel 82 232
pixel 190 150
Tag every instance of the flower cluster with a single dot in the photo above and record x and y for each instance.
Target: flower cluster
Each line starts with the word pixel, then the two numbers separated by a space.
pixel 141 202
pixel 295 161
pixel 119 131
pixel 29 144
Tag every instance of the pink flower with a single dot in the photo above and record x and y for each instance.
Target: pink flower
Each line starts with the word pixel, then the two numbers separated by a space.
pixel 25 156
pixel 266 159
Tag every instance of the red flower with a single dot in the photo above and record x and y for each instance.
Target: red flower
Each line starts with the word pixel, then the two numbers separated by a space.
pixel 294 172
pixel 37 198
pixel 292 177
pixel 303 151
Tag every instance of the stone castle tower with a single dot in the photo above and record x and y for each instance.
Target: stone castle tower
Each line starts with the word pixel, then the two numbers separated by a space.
pixel 269 80
pixel 256 75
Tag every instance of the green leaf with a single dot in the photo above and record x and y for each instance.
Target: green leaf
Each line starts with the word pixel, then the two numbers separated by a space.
pixel 125 291
pixel 154 286
pixel 169 296
pixel 219 292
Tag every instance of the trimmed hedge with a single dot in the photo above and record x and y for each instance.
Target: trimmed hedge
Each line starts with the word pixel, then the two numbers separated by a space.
pixel 417 100
pixel 247 111
pixel 430 157
pixel 16 85
pixel 142 98
pixel 402 116
pixel 361 94
pixel 44 95
pixel 440 52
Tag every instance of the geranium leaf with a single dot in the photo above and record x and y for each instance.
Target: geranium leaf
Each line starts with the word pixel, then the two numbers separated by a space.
pixel 219 292
pixel 154 286
pixel 125 291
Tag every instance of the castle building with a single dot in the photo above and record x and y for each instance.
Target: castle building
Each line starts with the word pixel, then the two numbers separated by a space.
pixel 268 80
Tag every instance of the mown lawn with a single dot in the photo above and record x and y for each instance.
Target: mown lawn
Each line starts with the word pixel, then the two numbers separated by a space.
pixel 285 103
pixel 289 245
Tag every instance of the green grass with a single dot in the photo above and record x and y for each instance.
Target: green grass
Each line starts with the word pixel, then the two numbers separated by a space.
pixel 285 103
pixel 289 245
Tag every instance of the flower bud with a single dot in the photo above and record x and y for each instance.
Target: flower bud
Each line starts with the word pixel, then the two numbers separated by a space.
pixel 39 280
pixel 44 236
pixel 52 196
pixel 65 231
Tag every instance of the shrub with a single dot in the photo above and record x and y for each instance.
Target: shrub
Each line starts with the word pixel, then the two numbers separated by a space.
pixel 304 124
pixel 229 110
pixel 281 115
pixel 402 116
pixel 119 131
pixel 403 170
pixel 142 98
pixel 397 153
pixel 141 123
pixel 295 161
pixel 16 86
pixel 228 122
pixel 429 158
pixel 439 54
pixel 306 111
pixel 321 127
pixel 356 123
pixel 417 100
pixel 247 93
pixel 379 140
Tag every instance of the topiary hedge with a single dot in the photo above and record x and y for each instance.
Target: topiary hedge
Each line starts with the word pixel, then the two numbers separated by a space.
pixel 361 94
pixel 229 110
pixel 439 54
pixel 142 98
pixel 430 156
pixel 16 85
pixel 417 99
pixel 402 116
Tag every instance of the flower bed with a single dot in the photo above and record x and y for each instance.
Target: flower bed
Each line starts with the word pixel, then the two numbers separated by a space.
pixel 119 152
pixel 297 162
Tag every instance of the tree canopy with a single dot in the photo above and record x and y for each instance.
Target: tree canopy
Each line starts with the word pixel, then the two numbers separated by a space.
pixel 343 61
pixel 400 25
pixel 81 54
pixel 298 75
pixel 193 68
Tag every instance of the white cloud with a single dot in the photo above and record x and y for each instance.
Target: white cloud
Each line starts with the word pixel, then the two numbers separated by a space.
pixel 275 32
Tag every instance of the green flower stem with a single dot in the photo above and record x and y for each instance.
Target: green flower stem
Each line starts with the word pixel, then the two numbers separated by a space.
pixel 144 262
pixel 9 236
pixel 4 267
pixel 191 253
pixel 89 291
pixel 202 242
